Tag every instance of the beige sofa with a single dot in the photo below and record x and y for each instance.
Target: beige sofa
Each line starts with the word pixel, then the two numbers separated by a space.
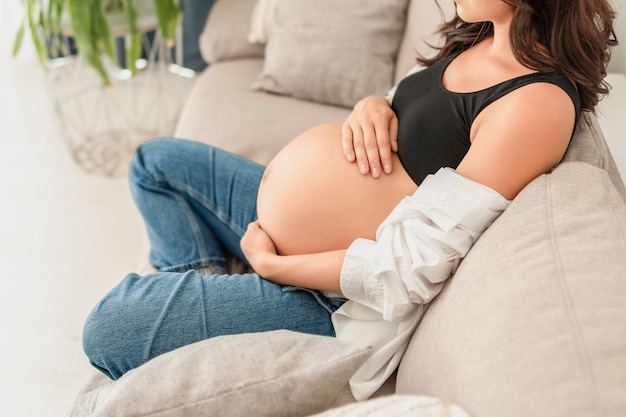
pixel 532 324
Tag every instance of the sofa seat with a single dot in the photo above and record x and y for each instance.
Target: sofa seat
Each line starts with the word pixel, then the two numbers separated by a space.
pixel 227 113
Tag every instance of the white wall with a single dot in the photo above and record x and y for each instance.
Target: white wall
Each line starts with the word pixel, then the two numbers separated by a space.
pixel 618 57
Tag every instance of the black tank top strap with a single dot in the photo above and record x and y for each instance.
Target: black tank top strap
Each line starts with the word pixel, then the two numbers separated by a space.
pixel 485 97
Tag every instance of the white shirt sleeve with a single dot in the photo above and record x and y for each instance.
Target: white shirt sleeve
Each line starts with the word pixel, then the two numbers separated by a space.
pixel 389 282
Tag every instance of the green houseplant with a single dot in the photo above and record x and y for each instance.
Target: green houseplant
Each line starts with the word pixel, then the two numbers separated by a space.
pixel 88 23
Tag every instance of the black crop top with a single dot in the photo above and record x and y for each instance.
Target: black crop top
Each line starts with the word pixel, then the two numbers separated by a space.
pixel 434 123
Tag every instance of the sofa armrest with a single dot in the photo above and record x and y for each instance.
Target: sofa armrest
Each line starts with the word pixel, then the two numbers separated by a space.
pixel 611 119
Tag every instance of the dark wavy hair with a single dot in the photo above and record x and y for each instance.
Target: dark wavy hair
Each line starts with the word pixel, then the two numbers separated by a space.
pixel 570 36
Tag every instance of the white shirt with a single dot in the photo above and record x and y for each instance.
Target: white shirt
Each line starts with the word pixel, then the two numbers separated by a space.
pixel 390 281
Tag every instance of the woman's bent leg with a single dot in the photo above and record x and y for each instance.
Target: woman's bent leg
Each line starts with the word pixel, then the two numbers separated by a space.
pixel 196 202
pixel 144 317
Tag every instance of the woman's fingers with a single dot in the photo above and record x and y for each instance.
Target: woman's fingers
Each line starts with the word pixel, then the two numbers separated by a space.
pixel 372 151
pixel 369 136
pixel 383 139
pixel 347 142
pixel 353 141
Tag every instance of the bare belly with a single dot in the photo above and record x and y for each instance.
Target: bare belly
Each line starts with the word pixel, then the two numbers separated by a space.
pixel 312 200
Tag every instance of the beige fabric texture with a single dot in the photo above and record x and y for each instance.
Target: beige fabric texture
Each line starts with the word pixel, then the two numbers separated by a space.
pixel 224 112
pixel 333 52
pixel 278 373
pixel 397 406
pixel 589 145
pixel 225 35
pixel 532 324
pixel 423 21
pixel 262 21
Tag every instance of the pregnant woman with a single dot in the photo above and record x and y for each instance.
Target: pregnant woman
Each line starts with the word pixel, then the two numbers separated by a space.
pixel 359 223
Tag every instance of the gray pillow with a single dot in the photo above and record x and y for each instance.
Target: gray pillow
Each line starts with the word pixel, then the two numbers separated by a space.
pixel 278 373
pixel 330 51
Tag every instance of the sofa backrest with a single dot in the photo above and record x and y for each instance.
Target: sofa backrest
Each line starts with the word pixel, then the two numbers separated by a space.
pixel 225 34
pixel 423 20
pixel 531 324
pixel 589 145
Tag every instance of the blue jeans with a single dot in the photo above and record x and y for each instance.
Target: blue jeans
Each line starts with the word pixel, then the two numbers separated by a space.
pixel 196 202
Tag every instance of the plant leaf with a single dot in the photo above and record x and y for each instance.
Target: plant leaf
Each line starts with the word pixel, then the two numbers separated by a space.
pixel 31 11
pixel 82 25
pixel 133 49
pixel 57 13
pixel 52 26
pixel 19 37
pixel 101 30
pixel 168 14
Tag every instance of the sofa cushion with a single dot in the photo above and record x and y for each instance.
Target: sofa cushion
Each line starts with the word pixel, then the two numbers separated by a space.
pixel 278 373
pixel 225 35
pixel 420 35
pixel 224 112
pixel 397 406
pixel 532 323
pixel 333 52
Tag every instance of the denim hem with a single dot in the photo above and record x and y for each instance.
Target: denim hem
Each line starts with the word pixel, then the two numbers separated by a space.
pixel 330 305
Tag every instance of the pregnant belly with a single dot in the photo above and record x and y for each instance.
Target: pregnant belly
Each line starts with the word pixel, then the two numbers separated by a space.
pixel 312 200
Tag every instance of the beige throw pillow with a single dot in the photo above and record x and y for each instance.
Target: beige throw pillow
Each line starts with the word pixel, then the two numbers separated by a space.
pixel 272 374
pixel 332 51
pixel 397 406
pixel 225 35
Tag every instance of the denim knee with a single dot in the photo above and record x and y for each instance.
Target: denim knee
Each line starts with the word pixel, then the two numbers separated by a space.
pixel 109 334
pixel 95 341
pixel 144 317
pixel 150 157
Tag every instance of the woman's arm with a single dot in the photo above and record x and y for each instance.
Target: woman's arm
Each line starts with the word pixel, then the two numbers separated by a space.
pixel 318 271
pixel 519 137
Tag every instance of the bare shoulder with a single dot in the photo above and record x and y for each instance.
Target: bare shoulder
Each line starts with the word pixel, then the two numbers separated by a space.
pixel 519 137
pixel 545 103
pixel 539 114
pixel 538 106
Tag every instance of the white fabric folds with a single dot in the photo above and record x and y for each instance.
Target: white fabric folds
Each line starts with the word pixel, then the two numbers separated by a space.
pixel 389 282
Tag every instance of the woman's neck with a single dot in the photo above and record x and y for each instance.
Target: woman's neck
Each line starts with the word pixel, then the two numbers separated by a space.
pixel 500 44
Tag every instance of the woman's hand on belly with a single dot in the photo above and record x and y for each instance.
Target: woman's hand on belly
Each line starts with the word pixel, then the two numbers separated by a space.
pixel 319 271
pixel 369 136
